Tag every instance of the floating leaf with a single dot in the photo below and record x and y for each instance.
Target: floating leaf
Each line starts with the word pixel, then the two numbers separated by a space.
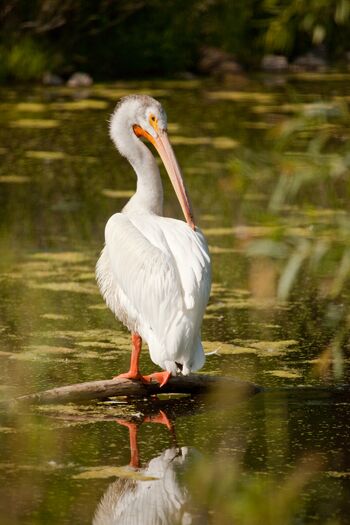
pixel 7 430
pixel 285 374
pixel 190 141
pixel 45 155
pixel 75 287
pixel 337 474
pixel 97 344
pixel 225 143
pixel 242 96
pixel 226 348
pixel 119 92
pixel 218 231
pixel 117 194
pixel 268 348
pixel 99 306
pixel 271 346
pixel 64 257
pixel 14 179
pixel 218 250
pixel 46 349
pixel 32 107
pixel 109 472
pixel 55 317
pixel 35 123
pixel 80 105
pixel 216 142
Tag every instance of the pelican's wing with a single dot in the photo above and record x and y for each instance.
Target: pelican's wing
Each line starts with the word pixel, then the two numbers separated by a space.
pixel 187 252
pixel 144 273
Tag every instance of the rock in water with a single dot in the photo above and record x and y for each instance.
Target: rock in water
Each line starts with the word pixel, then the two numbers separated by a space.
pixel 274 63
pixel 80 80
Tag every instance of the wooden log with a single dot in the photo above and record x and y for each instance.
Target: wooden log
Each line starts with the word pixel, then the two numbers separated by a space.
pixel 192 384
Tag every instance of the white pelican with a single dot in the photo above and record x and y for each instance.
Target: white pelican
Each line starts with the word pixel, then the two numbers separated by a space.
pixel 154 272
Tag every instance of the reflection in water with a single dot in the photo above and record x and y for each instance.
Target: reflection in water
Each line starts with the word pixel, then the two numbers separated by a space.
pixel 155 496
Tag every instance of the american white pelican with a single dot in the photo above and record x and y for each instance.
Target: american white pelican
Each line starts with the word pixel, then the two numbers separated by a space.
pixel 154 272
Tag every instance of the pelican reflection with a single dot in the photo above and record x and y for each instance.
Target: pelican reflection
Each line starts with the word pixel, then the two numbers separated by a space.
pixel 155 495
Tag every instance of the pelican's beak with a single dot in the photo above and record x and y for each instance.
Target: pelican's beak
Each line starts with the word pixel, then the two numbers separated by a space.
pixel 166 153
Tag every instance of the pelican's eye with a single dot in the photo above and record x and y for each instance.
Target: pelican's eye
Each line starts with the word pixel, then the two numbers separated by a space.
pixel 153 121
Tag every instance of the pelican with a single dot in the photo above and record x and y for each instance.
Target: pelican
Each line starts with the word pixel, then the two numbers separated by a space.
pixel 154 272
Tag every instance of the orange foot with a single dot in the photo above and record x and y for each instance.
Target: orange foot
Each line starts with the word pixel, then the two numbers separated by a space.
pixel 160 377
pixel 130 375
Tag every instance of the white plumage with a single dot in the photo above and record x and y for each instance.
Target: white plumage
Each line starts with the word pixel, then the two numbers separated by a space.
pixel 154 272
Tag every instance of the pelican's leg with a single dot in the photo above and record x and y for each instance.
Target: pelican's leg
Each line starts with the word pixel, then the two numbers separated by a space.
pixel 134 449
pixel 134 372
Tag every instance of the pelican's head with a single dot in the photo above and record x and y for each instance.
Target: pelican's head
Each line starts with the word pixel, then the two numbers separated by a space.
pixel 143 116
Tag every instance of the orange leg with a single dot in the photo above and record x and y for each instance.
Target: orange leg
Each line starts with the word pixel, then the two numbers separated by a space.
pixel 134 372
pixel 134 449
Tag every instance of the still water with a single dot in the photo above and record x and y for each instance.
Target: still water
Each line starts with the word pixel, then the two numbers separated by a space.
pixel 266 162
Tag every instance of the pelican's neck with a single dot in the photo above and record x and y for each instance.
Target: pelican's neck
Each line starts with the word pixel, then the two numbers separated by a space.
pixel 149 192
pixel 149 189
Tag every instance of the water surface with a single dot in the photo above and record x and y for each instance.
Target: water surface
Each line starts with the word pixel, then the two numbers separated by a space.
pixel 266 163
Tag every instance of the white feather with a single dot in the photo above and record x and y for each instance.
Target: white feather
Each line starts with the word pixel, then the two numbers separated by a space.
pixel 154 274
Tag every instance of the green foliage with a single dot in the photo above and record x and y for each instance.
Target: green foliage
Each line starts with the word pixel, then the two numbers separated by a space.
pixel 307 172
pixel 250 499
pixel 128 38
pixel 24 60
pixel 319 21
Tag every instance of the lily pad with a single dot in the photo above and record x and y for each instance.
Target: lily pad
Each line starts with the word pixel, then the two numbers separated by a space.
pixel 35 123
pixel 109 472
pixel 45 155
pixel 46 349
pixel 285 374
pixel 117 194
pixel 217 232
pixel 73 286
pixel 242 96
pixel 217 250
pixel 225 143
pixel 55 317
pixel 226 348
pixel 63 257
pixel 78 105
pixel 97 344
pixel 31 107
pixel 14 179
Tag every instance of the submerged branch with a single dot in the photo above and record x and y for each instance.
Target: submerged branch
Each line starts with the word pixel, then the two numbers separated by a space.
pixel 193 384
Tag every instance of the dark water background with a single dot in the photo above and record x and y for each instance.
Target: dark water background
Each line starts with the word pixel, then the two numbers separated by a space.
pixel 266 162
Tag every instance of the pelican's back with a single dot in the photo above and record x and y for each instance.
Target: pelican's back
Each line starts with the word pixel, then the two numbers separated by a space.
pixel 154 274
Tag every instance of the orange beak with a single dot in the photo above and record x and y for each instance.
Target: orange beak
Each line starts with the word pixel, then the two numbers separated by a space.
pixel 166 153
